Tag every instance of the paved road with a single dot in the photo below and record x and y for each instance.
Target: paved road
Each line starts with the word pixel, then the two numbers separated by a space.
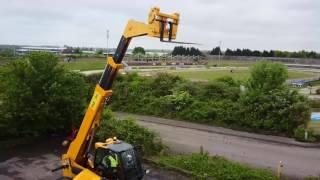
pixel 298 161
pixel 35 161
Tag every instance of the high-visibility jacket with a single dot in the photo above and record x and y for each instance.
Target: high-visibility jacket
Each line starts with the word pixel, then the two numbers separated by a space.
pixel 113 161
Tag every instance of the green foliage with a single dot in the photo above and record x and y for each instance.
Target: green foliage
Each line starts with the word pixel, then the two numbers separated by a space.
pixel 312 178
pixel 8 52
pixel 77 51
pixel 263 107
pixel 138 50
pixel 163 83
pixel 266 76
pixel 279 110
pixel 271 53
pixel 215 51
pixel 129 131
pixel 180 50
pixel 202 166
pixel 38 96
pixel 299 134
pixel 228 80
pixel 268 104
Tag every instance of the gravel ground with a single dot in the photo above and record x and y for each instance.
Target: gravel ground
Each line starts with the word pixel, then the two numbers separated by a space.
pixel 35 161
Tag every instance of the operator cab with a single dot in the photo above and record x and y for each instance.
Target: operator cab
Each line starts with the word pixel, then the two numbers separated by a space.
pixel 128 161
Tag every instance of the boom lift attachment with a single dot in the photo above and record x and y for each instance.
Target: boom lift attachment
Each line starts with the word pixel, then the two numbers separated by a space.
pixel 78 162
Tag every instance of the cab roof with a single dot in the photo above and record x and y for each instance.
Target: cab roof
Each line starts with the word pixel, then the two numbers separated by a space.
pixel 119 147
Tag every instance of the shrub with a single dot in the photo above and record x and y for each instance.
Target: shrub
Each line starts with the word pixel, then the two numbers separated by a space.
pixel 128 130
pixel 280 110
pixel 266 76
pixel 266 103
pixel 299 134
pixel 39 97
pixel 315 103
pixel 198 112
pixel 163 83
pixel 202 166
pixel 228 80
pixel 269 104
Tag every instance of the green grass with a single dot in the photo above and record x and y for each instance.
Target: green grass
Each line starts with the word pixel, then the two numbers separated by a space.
pixel 202 166
pixel 315 83
pixel 212 74
pixel 85 64
pixel 236 74
pixel 302 74
pixel 233 63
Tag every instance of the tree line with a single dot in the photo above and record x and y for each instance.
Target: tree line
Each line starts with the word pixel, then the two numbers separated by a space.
pixel 186 51
pixel 265 53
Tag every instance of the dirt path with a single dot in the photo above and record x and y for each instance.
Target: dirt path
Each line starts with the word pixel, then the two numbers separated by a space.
pixel 35 161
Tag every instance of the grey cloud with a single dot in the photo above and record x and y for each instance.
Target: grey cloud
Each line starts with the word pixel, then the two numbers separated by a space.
pixel 256 24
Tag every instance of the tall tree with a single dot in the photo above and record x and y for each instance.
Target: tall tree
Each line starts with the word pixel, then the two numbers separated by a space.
pixel 40 96
pixel 215 51
pixel 138 50
pixel 266 76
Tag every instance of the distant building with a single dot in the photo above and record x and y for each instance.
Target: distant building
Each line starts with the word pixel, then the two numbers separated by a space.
pixel 89 52
pixel 27 49
pixel 112 52
pixel 298 83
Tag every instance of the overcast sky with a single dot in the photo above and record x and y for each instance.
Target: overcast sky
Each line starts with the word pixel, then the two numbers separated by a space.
pixel 254 24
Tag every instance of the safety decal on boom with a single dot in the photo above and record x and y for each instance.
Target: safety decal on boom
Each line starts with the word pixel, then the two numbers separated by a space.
pixel 95 101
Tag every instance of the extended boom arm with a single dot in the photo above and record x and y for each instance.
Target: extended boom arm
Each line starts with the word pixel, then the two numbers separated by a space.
pixel 160 25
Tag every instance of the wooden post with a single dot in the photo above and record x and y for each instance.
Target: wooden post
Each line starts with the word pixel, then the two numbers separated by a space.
pixel 280 168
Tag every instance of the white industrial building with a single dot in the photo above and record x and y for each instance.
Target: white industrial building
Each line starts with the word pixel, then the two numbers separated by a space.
pixel 27 49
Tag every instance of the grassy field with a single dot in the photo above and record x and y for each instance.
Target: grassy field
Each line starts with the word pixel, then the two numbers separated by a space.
pixel 233 63
pixel 85 64
pixel 236 74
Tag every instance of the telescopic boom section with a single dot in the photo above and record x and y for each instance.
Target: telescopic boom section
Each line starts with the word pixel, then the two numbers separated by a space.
pixel 160 25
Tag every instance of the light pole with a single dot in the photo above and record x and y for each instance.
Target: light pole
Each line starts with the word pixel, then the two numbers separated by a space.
pixel 107 43
pixel 219 50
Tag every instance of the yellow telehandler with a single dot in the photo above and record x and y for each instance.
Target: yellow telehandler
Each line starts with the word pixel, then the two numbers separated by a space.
pixel 80 162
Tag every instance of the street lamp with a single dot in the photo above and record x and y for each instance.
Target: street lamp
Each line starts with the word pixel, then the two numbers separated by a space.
pixel 107 43
pixel 219 50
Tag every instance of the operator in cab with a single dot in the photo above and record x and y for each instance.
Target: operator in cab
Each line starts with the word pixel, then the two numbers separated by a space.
pixel 110 163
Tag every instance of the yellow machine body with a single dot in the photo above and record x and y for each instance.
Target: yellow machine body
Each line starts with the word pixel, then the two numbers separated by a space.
pixel 75 162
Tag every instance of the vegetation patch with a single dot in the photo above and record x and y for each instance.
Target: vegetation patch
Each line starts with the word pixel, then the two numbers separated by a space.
pixel 263 103
pixel 202 166
pixel 237 74
pixel 39 97
pixel 85 64
pixel 129 131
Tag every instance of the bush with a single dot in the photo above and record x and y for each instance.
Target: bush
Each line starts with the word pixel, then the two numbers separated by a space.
pixel 38 97
pixel 315 103
pixel 299 134
pixel 266 76
pixel 202 166
pixel 129 131
pixel 280 110
pixel 267 104
pixel 318 91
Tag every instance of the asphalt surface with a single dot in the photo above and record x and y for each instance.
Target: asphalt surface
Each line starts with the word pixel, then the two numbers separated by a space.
pixel 298 161
pixel 35 162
